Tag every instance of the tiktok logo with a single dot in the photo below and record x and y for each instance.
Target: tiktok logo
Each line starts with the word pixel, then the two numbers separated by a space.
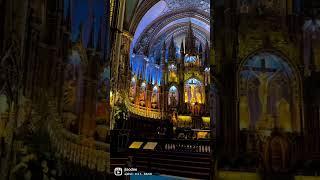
pixel 117 171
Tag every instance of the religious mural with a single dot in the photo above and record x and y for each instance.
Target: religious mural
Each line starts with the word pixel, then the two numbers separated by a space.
pixel 269 94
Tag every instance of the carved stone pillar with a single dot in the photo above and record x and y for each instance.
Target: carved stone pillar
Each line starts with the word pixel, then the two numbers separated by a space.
pixel 124 64
pixel 116 58
pixel 89 95
pixel 88 114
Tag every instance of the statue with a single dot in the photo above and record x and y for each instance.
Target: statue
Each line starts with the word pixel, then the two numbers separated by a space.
pixel 189 94
pixel 284 115
pixel 244 113
pixel 142 97
pixel 154 100
pixel 132 92
pixel 173 100
pixel 199 95
pixel 264 78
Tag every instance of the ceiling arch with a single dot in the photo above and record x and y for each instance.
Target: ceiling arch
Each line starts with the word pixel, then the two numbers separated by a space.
pixel 141 10
pixel 148 18
pixel 143 6
pixel 176 31
pixel 197 17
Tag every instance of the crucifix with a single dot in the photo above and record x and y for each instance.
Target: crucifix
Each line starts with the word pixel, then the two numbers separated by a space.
pixel 264 75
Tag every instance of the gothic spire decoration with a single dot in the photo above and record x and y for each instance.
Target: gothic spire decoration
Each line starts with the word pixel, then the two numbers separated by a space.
pixel 163 52
pixel 200 52
pixel 172 49
pixel 200 49
pixel 190 41
pixel 181 48
pixel 207 53
pixel 91 37
pixel 164 46
pixel 99 36
pixel 150 78
pixel 79 38
pixel 68 17
pixel 312 57
pixel 157 57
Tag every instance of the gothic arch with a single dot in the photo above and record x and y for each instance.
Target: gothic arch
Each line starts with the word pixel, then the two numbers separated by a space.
pixel 144 8
pixel 172 84
pixel 176 31
pixel 255 81
pixel 173 93
pixel 159 23
pixel 277 53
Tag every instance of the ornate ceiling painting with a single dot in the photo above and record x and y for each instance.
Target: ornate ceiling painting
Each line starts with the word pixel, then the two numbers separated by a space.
pixel 159 22
pixel 156 24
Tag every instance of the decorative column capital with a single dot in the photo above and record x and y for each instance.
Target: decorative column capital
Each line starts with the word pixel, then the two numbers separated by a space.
pixel 127 35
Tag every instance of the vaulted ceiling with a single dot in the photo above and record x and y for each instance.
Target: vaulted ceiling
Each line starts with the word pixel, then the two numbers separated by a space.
pixel 152 21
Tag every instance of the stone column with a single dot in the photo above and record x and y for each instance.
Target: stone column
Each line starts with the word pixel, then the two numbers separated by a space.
pixel 225 72
pixel 116 57
pixel 89 96
pixel 88 115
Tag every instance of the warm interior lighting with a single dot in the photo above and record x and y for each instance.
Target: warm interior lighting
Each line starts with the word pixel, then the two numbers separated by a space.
pixel 228 175
pixel 202 134
pixel 135 145
pixel 206 119
pixel 184 118
pixel 150 145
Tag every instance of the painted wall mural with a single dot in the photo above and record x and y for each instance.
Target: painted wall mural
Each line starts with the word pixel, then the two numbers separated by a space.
pixel 269 94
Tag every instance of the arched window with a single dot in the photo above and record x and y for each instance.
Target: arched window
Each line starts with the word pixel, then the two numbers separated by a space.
pixel 268 93
pixel 191 61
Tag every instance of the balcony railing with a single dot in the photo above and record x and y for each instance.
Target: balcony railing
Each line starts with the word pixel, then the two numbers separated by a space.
pixel 199 146
pixel 77 150
pixel 178 145
pixel 143 111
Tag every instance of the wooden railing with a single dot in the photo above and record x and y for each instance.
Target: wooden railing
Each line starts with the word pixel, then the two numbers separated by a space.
pixel 143 111
pixel 177 145
pixel 198 146
pixel 119 140
pixel 77 150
